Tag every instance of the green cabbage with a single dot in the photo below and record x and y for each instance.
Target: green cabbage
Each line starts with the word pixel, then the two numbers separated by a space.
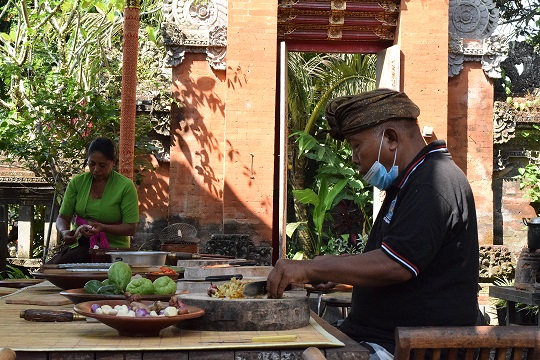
pixel 109 290
pixel 120 274
pixel 141 286
pixel 164 285
pixel 92 286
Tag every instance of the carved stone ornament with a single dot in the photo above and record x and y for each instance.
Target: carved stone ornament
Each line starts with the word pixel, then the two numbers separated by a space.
pixel 504 123
pixel 509 147
pixel 471 24
pixel 197 26
pixel 521 68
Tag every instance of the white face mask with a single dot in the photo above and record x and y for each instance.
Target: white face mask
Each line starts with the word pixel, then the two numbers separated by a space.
pixel 377 175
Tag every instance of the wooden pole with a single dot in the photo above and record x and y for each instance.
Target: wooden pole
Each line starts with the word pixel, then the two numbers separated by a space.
pixel 128 105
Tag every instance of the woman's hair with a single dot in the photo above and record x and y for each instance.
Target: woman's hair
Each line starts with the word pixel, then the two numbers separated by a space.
pixel 104 146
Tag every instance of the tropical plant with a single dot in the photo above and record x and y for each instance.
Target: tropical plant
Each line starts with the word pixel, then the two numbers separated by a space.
pixel 336 172
pixel 322 203
pixel 529 179
pixel 313 80
pixel 13 272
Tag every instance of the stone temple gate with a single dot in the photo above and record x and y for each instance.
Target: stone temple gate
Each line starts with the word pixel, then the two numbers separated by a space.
pixel 221 166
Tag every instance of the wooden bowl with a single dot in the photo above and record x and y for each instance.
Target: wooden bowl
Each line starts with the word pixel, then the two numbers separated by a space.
pixel 135 326
pixel 78 296
pixel 70 280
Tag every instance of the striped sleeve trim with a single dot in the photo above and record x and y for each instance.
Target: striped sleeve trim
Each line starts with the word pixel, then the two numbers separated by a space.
pixel 400 259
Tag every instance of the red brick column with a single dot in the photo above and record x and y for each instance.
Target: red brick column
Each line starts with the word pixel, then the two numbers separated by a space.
pixel 130 49
pixel 251 118
pixel 470 138
pixel 423 39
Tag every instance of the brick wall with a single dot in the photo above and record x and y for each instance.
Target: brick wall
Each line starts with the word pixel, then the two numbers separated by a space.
pixel 251 118
pixel 423 39
pixel 197 150
pixel 222 150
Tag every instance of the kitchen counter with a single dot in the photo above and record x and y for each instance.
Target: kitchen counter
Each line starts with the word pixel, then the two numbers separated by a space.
pixel 93 340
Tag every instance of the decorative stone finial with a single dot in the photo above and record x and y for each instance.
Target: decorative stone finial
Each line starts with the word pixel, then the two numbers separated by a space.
pixel 471 25
pixel 197 26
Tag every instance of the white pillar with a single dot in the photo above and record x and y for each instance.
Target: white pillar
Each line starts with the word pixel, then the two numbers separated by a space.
pixel 25 231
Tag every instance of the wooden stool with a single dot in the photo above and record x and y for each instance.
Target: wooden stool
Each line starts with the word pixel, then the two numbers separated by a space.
pixel 342 300
pixel 321 292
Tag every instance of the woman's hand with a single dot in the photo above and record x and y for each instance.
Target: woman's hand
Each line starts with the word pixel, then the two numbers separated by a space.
pixel 84 230
pixel 118 229
pixel 69 237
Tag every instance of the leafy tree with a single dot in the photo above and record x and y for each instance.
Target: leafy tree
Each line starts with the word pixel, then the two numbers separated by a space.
pixel 523 16
pixel 60 71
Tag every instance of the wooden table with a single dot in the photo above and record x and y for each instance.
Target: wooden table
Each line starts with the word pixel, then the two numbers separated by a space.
pixel 145 348
pixel 513 296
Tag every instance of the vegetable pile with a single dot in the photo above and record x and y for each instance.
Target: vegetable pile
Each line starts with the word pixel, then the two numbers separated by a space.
pixel 164 270
pixel 120 281
pixel 138 309
pixel 232 289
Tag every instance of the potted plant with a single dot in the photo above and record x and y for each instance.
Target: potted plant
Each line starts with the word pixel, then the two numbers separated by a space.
pixel 529 179
pixel 525 314
pixel 501 306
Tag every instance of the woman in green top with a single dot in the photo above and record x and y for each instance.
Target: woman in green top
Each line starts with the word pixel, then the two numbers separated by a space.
pixel 104 205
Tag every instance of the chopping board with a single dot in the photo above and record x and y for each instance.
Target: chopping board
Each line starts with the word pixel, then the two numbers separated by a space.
pixel 42 299
pixel 253 314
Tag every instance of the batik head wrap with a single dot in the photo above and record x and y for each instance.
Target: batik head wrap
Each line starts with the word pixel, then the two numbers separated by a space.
pixel 348 115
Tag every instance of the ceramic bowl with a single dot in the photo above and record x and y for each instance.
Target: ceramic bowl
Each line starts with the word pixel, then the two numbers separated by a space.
pixel 135 326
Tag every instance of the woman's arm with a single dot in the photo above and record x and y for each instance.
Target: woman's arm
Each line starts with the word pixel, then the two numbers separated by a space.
pixel 63 226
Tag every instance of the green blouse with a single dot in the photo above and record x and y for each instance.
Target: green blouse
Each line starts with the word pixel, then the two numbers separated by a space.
pixel 119 203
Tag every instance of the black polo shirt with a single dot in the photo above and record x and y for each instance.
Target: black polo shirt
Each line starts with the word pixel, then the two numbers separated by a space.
pixel 427 223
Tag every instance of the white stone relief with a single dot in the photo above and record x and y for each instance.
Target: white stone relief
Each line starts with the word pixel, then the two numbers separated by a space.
pixel 197 26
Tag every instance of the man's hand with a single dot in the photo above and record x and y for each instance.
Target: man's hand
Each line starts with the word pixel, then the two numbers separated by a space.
pixel 285 273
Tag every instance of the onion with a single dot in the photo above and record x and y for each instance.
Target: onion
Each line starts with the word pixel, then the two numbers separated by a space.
pixel 141 313
pixel 94 307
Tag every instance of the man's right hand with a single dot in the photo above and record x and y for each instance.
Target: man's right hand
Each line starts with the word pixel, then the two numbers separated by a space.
pixel 284 273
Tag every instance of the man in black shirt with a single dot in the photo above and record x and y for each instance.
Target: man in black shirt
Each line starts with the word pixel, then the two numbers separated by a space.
pixel 420 264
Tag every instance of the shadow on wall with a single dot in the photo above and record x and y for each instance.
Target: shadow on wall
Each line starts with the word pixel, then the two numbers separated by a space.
pixel 191 188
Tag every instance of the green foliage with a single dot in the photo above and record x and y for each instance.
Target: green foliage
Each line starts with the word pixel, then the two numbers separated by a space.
pixel 336 180
pixel 51 137
pixel 322 203
pixel 12 272
pixel 523 16
pixel 529 179
pixel 342 245
pixel 60 71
